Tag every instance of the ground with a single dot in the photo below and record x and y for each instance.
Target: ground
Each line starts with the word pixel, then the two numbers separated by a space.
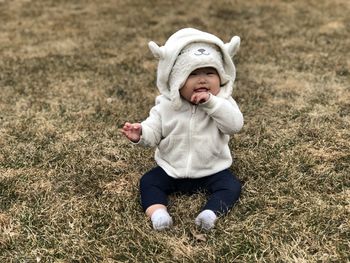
pixel 72 72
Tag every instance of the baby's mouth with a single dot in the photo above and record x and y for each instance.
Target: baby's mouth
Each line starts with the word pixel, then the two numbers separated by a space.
pixel 201 90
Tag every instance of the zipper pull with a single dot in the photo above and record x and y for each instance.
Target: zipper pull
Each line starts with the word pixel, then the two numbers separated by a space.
pixel 194 108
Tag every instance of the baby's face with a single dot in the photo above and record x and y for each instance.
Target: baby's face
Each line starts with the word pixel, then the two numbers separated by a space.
pixel 201 80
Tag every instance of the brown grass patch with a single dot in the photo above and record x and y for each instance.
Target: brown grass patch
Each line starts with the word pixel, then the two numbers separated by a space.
pixel 71 73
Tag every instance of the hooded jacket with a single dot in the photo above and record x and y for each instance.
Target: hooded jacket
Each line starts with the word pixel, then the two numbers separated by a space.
pixel 192 140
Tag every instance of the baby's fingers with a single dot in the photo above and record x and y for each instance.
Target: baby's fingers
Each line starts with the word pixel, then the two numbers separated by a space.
pixel 199 98
pixel 131 127
pixel 127 126
pixel 136 126
pixel 194 98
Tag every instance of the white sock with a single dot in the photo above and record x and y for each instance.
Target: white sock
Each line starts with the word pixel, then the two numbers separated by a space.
pixel 161 219
pixel 206 219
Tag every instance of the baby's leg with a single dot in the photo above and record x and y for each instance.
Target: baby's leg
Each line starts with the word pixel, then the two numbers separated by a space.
pixel 155 187
pixel 224 189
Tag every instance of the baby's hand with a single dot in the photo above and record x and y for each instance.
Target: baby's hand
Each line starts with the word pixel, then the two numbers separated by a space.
pixel 132 131
pixel 200 97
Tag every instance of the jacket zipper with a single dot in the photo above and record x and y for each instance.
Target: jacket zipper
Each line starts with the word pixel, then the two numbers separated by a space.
pixel 189 160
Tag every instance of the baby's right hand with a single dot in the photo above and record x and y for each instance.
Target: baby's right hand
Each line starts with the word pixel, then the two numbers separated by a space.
pixel 132 131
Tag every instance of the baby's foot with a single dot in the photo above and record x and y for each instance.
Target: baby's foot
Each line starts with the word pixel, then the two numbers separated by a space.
pixel 206 219
pixel 161 219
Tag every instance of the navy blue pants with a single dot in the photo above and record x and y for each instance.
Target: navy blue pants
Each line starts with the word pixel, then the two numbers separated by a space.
pixel 223 189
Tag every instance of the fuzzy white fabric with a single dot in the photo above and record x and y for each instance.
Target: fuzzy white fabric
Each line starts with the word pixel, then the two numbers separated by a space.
pixel 161 219
pixel 192 141
pixel 206 219
pixel 168 54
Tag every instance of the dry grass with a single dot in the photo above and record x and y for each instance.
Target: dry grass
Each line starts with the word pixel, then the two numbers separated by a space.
pixel 71 73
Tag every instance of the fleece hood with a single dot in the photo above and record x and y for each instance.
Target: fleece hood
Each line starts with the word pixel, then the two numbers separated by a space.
pixel 168 54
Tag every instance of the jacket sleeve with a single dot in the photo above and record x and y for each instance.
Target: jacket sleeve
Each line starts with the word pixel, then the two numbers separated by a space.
pixel 152 127
pixel 225 113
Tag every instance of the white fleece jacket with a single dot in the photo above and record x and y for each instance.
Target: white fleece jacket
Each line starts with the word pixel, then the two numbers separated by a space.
pixel 192 142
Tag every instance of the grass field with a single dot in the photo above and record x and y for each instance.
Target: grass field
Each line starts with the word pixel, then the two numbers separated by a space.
pixel 72 72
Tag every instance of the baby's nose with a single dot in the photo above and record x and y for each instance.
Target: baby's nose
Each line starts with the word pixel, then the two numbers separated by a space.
pixel 202 78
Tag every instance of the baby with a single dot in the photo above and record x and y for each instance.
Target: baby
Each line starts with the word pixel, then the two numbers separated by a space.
pixel 190 126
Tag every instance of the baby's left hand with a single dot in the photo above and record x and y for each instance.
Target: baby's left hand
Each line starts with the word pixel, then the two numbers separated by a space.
pixel 200 97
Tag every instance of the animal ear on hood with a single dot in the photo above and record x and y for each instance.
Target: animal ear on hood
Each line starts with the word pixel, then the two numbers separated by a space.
pixel 233 46
pixel 156 50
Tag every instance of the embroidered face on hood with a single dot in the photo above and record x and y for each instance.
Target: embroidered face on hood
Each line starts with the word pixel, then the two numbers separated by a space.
pixel 188 49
